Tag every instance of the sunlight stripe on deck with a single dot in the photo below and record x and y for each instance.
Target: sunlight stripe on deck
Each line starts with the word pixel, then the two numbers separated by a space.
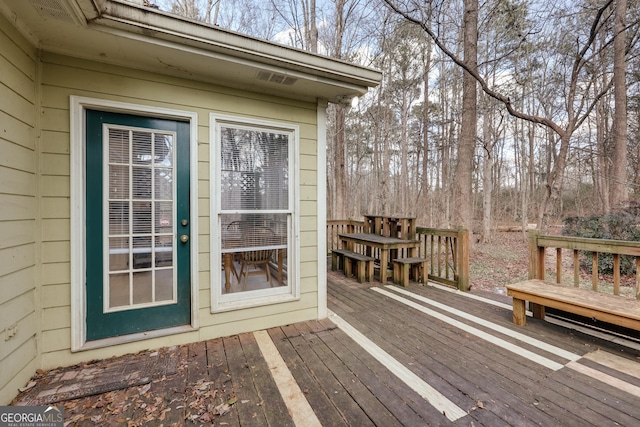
pixel 297 404
pixel 430 394
pixel 605 378
pixel 487 324
pixel 541 360
pixel 613 361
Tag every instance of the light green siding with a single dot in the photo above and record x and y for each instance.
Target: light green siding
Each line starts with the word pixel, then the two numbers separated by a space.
pixel 63 77
pixel 35 191
pixel 18 211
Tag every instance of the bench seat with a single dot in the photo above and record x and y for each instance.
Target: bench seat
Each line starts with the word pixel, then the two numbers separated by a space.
pixel 364 264
pixel 401 270
pixel 608 308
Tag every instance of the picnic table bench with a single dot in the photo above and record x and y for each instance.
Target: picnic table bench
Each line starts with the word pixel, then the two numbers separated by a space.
pixel 404 268
pixel 608 308
pixel 364 263
pixel 387 247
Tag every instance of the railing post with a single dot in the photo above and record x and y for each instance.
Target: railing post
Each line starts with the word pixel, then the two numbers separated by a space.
pixel 463 259
pixel 534 264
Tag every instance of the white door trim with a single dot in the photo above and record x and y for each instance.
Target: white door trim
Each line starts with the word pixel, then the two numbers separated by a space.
pixel 78 106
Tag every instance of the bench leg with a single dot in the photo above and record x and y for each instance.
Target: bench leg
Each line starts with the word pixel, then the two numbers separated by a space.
pixel 346 263
pixel 519 313
pixel 397 273
pixel 417 272
pixel 360 265
pixel 537 310
pixel 405 275
pixel 369 270
pixel 334 261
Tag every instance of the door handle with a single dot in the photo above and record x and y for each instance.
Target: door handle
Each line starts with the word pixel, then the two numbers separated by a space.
pixel 184 238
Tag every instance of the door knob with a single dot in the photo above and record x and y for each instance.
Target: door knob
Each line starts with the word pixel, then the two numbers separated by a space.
pixel 184 238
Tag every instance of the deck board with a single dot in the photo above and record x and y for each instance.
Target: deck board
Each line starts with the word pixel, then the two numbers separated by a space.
pixel 322 370
pixel 548 397
pixel 276 412
pixel 249 413
pixel 461 371
pixel 345 385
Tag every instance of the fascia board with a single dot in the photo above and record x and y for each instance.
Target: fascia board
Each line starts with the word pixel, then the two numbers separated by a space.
pixel 157 24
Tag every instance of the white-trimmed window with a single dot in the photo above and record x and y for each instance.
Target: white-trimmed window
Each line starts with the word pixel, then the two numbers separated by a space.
pixel 254 212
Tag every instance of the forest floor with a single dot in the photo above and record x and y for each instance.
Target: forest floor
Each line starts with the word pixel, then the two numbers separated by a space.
pixel 501 261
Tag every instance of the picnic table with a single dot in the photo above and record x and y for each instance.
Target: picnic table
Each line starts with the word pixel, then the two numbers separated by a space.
pixel 386 246
pixel 402 227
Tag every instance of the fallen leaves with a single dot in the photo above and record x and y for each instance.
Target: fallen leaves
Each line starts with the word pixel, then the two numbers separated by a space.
pixel 200 403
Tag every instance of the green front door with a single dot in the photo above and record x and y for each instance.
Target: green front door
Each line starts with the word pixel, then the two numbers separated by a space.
pixel 137 224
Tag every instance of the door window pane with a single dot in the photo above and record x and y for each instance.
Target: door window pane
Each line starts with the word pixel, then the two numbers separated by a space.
pixel 141 218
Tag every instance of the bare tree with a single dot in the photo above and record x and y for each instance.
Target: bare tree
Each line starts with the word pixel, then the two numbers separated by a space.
pixel 577 101
pixel 463 206
pixel 619 193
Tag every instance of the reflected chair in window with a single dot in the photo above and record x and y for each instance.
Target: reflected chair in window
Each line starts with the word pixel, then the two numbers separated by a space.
pixel 260 258
pixel 232 258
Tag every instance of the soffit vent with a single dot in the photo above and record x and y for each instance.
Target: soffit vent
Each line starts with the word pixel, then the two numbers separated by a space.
pixel 276 78
pixel 54 9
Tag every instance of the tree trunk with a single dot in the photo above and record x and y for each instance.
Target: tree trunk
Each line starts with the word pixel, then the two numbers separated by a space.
pixel 340 164
pixel 619 194
pixel 464 166
pixel 425 137
pixel 551 196
pixel 487 175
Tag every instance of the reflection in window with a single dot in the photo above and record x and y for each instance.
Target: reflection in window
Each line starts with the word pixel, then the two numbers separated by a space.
pixel 255 209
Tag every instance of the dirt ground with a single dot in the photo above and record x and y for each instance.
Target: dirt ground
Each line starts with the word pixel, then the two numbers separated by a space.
pixel 499 262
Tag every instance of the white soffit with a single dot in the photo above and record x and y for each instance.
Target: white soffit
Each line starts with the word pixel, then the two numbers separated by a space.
pixel 143 38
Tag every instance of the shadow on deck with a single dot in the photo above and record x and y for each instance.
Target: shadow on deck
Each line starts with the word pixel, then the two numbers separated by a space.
pixel 411 356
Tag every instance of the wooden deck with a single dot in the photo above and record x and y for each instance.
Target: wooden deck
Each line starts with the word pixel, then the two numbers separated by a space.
pixel 411 356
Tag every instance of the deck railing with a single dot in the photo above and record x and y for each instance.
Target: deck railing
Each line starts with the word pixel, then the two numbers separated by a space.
pixel 447 251
pixel 584 247
pixel 448 254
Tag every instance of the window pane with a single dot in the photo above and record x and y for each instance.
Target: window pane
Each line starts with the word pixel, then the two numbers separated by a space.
pixel 118 253
pixel 163 150
pixel 253 230
pixel 118 182
pixel 141 148
pixel 254 169
pixel 163 183
pixel 164 285
pixel 118 217
pixel 118 290
pixel 164 251
pixel 142 287
pixel 141 217
pixel 118 146
pixel 141 183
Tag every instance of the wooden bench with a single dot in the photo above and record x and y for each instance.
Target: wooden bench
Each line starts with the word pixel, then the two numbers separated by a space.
pixel 401 270
pixel 608 308
pixel 364 264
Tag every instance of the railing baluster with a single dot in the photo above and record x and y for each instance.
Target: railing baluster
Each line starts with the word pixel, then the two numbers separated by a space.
pixel 447 240
pixel 594 271
pixel 637 277
pixel 439 255
pixel 432 244
pixel 558 265
pixel 616 274
pixel 576 268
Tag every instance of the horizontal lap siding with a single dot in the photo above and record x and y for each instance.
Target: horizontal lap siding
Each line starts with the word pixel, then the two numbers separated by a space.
pixel 18 211
pixel 63 77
